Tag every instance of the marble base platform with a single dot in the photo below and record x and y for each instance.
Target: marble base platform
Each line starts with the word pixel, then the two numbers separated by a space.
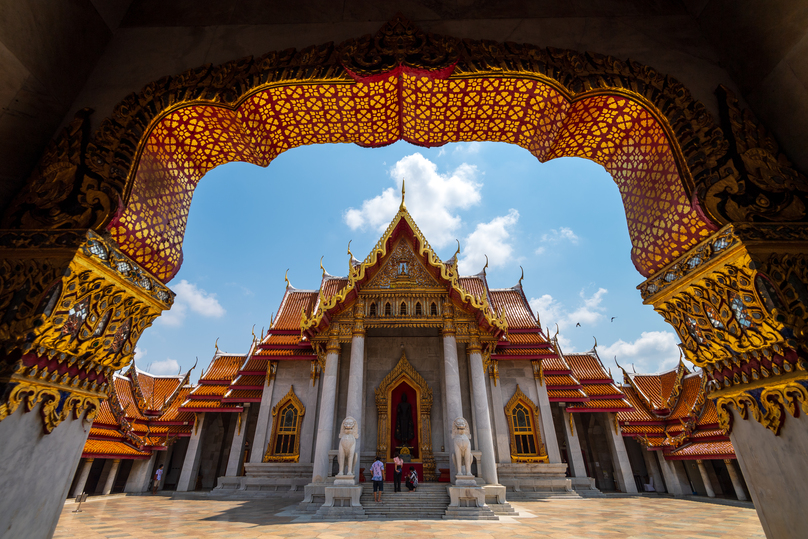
pixel 341 502
pixel 540 479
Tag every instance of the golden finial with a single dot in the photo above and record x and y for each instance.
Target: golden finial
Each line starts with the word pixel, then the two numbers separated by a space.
pixel 596 342
pixel 458 249
pixel 402 207
pixel 286 278
pixel 522 277
pixel 556 335
pixel 321 265
pixel 216 344
pixel 486 265
pixel 253 332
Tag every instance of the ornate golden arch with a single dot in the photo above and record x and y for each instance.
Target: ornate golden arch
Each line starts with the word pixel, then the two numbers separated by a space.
pixel 404 371
pixel 520 397
pixel 290 397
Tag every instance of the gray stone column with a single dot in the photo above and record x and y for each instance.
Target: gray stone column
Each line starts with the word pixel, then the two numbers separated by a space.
pixel 261 439
pixel 622 466
pixel 140 474
pixel 675 476
pixel 236 456
pixel 736 480
pixel 451 372
pixel 102 480
pixel 548 432
pixel 190 468
pixel 708 486
pixel 574 455
pixel 325 422
pixel 164 458
pixel 113 473
pixel 83 475
pixel 484 435
pixel 652 466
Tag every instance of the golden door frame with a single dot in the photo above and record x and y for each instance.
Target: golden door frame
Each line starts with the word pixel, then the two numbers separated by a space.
pixel 404 371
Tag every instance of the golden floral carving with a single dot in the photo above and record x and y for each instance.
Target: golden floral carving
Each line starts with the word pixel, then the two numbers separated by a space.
pixel 768 408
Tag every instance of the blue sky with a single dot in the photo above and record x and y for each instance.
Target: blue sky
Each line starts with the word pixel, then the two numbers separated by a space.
pixel 563 221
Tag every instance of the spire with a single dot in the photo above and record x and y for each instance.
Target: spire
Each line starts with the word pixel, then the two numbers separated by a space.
pixel 286 278
pixel 322 267
pixel 522 277
pixel 402 207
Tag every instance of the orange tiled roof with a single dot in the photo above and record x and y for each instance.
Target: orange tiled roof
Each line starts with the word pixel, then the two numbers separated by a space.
pixel 248 381
pixel 105 447
pixel 330 286
pixel 256 363
pixel 109 433
pixel 527 338
pixel 224 366
pixel 640 411
pixel 595 390
pixel 690 391
pixel 586 367
pixel 653 385
pixel 561 380
pixel 698 449
pixel 281 353
pixel 609 404
pixel 710 415
pixel 523 352
pixel 474 285
pixel 555 364
pixel 156 389
pixel 274 339
pixel 209 391
pixel 294 301
pixel 202 404
pixel 123 388
pixel 642 429
pixel 236 394
pixel 565 393
pixel 104 415
pixel 515 308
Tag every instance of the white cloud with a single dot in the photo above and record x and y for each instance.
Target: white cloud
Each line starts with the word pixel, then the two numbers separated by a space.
pixel 489 239
pixel 168 366
pixel 431 199
pixel 654 351
pixel 557 235
pixel 191 298
pixel 551 312
pixel 140 353
pixel 468 148
pixel 540 251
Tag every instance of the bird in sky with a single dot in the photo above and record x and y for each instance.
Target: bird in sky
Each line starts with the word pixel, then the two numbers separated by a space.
pixel 613 317
pixel 578 325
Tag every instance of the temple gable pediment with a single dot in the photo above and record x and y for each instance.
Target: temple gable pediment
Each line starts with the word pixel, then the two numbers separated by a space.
pixel 403 269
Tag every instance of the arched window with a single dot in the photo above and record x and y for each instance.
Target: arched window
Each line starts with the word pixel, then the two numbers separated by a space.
pixel 388 309
pixel 526 443
pixel 418 310
pixel 433 310
pixel 372 309
pixel 402 309
pixel 284 445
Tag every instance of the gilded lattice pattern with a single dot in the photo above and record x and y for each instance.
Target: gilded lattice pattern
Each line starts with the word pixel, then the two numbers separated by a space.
pixel 402 269
pixel 612 130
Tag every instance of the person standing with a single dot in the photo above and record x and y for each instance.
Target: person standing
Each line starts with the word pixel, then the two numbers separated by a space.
pixel 398 467
pixel 377 469
pixel 158 475
pixel 412 479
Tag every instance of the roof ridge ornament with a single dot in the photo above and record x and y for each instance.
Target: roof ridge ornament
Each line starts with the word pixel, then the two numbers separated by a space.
pixel 402 206
pixel 519 284
pixel 286 278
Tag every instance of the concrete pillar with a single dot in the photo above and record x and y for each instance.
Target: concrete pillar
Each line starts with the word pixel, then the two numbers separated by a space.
pixel 548 432
pixel 622 466
pixel 102 481
pixel 83 475
pixel 325 421
pixel 261 439
pixel 164 458
pixel 706 478
pixel 576 458
pixel 113 473
pixel 356 372
pixel 714 481
pixel 675 476
pixel 484 434
pixel 236 456
pixel 451 372
pixel 652 466
pixel 139 476
pixel 190 468
pixel 736 480
pixel 502 434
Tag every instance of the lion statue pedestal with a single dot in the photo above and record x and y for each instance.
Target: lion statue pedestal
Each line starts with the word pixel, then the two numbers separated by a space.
pixel 348 456
pixel 462 456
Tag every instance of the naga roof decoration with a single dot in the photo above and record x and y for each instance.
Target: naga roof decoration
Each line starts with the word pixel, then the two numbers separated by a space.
pixel 360 274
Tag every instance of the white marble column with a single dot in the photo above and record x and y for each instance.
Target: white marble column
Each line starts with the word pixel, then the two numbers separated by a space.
pixel 574 455
pixel 190 467
pixel 708 486
pixel 502 435
pixel 140 474
pixel 675 476
pixel 356 374
pixel 164 459
pixel 736 480
pixel 113 473
pixel 548 432
pixel 622 466
pixel 652 466
pixel 261 438
pixel 325 421
pixel 451 372
pixel 102 480
pixel 236 456
pixel 83 475
pixel 484 435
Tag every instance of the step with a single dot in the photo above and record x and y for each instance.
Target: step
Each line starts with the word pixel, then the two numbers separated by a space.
pixel 469 513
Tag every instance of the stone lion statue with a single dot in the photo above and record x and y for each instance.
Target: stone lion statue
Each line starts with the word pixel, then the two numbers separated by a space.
pixel 462 446
pixel 347 456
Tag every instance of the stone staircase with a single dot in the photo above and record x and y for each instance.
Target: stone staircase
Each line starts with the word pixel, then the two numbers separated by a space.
pixel 429 501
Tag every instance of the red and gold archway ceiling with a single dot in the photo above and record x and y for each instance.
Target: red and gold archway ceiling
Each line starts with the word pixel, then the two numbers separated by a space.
pixel 608 127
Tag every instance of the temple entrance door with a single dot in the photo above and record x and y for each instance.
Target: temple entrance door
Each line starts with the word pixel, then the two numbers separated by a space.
pixel 404 405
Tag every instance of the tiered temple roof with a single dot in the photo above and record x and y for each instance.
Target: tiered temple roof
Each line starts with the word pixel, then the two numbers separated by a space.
pixel 672 414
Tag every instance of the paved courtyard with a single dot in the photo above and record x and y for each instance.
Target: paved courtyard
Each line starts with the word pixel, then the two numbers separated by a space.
pixel 146 517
